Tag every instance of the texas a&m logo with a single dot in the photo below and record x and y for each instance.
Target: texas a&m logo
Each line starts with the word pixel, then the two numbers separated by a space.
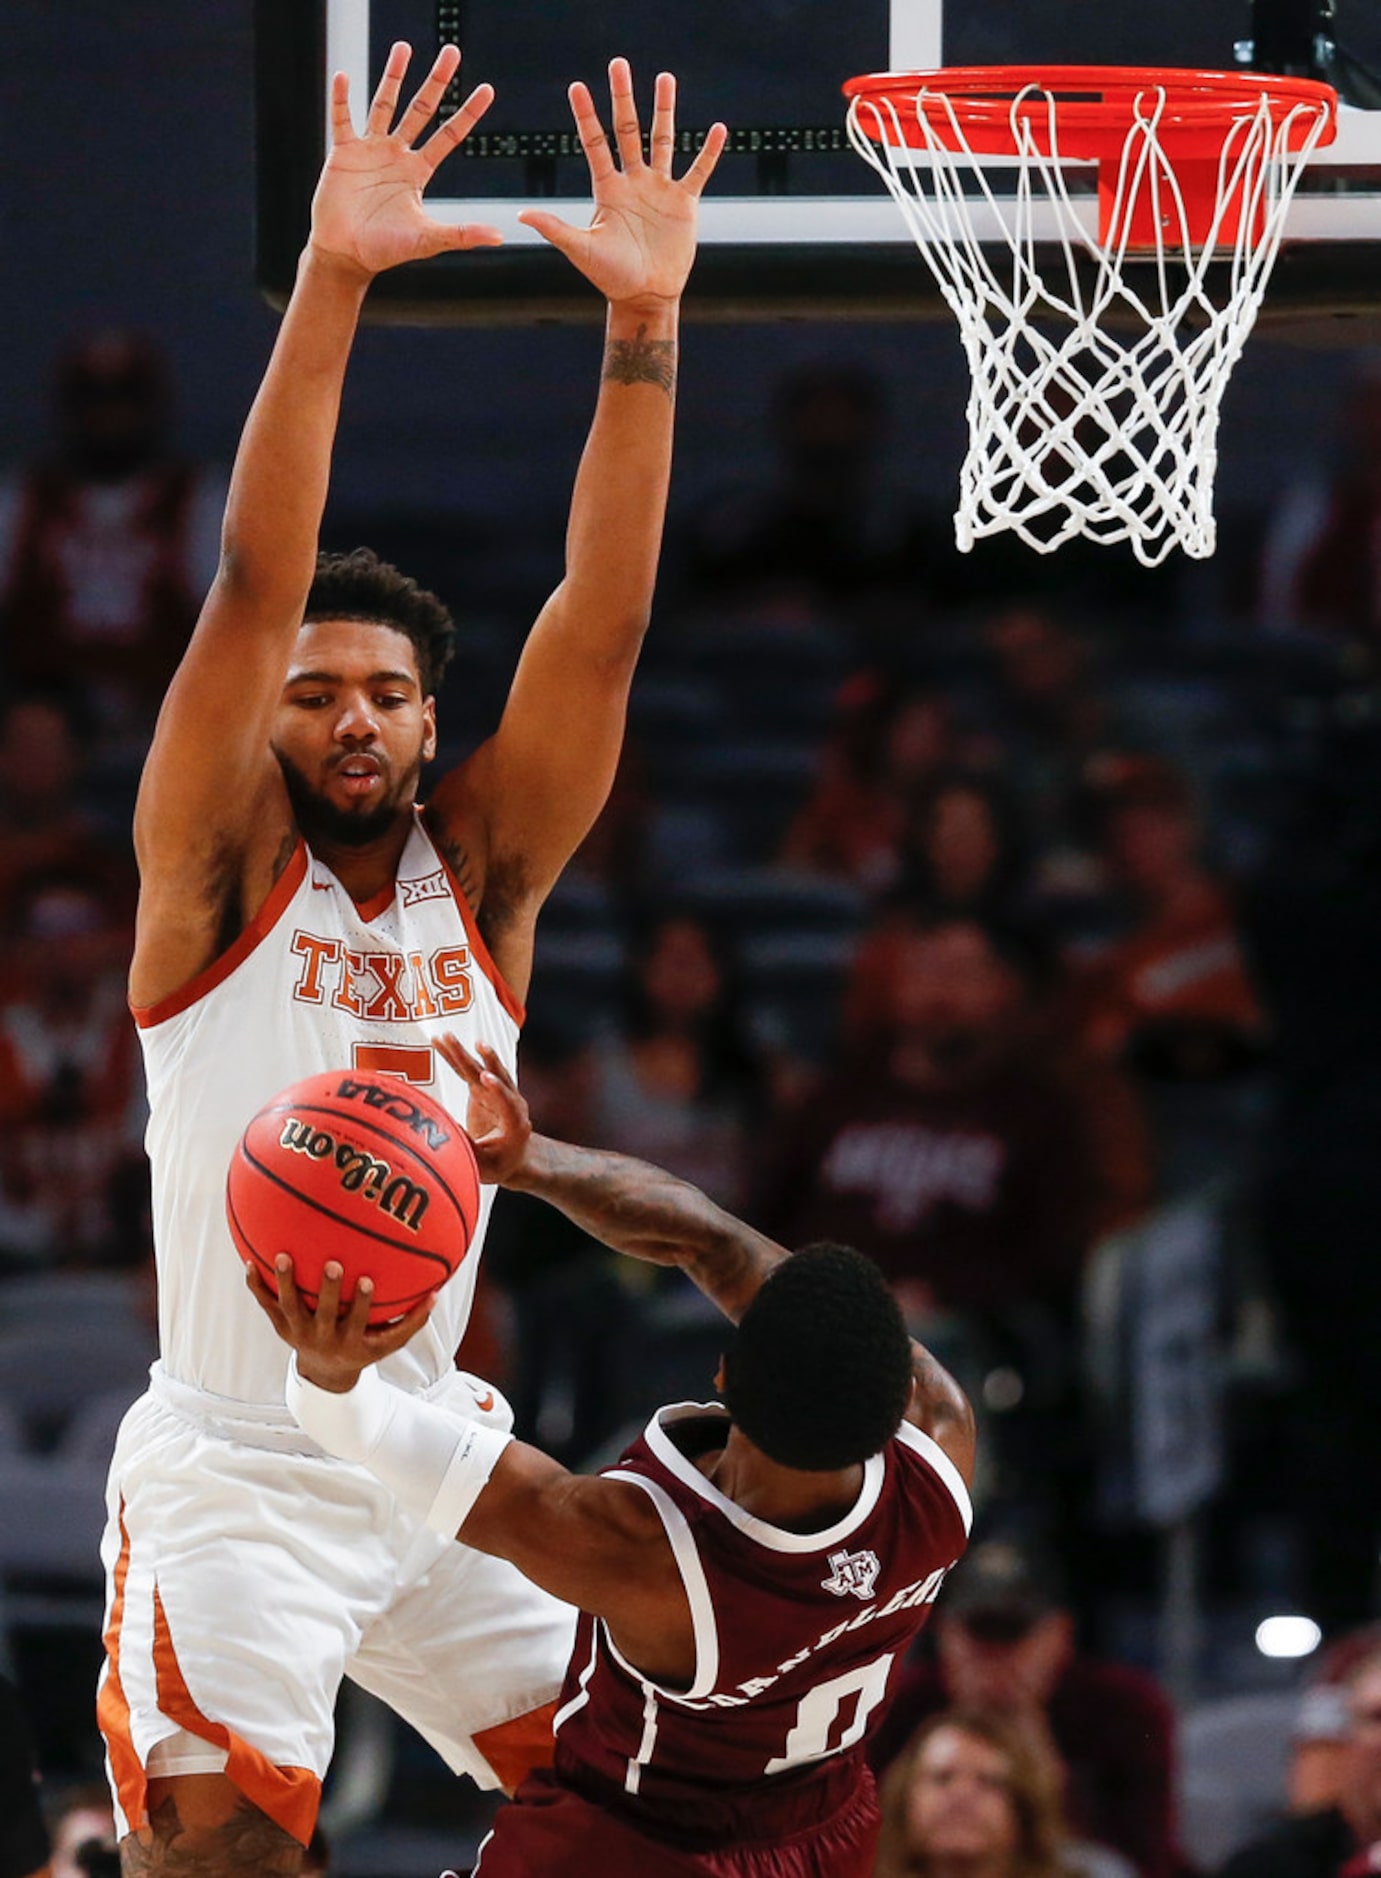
pixel 383 987
pixel 852 1572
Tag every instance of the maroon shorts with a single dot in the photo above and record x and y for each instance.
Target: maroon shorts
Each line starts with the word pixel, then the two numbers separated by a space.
pixel 550 1832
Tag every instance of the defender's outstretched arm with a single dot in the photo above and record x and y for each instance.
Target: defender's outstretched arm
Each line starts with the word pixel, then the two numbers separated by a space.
pixel 211 791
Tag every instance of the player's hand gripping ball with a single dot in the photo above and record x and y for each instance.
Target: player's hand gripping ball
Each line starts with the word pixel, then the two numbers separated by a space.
pixel 362 1168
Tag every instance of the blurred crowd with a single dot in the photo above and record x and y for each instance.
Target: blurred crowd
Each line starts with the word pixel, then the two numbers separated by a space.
pixel 979 912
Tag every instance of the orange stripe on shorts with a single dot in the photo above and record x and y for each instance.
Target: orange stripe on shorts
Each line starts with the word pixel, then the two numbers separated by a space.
pixel 112 1707
pixel 514 1748
pixel 289 1796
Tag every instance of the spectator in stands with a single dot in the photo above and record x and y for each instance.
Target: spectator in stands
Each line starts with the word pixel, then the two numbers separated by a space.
pixel 1171 996
pixel 83 1828
pixel 70 1084
pixel 679 1082
pixel 962 858
pixel 964 854
pixel 1005 1645
pixel 107 545
pixel 1319 1739
pixel 23 1835
pixel 885 747
pixel 1049 716
pixel 44 827
pixel 823 531
pixel 977 1795
pixel 1321 565
pixel 954 1147
pixel 1342 1840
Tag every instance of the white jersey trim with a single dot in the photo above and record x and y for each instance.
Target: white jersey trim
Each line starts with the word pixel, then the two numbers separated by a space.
pixel 582 1696
pixel 647 1747
pixel 930 1450
pixel 688 1564
pixel 774 1538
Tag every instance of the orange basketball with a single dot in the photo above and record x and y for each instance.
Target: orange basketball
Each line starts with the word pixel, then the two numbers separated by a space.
pixel 363 1168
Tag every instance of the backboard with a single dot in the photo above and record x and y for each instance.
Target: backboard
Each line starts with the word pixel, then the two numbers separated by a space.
pixel 793 225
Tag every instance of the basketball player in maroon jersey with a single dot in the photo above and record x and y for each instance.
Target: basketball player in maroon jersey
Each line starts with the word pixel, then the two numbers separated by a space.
pixel 750 1575
pixel 297 912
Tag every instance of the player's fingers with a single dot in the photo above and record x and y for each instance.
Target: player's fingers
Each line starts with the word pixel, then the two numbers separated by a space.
pixel 428 95
pixel 390 1337
pixel 496 1067
pixel 342 128
pixel 474 235
pixel 627 132
pixel 457 127
pixel 707 156
pixel 265 1299
pixel 328 1297
pixel 592 138
pixel 385 100
pixel 663 123
pixel 551 228
pixel 356 1318
pixel 459 1058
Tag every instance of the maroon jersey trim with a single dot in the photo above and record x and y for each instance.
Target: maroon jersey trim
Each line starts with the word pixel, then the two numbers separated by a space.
pixel 942 1466
pixel 692 1570
pixel 775 1538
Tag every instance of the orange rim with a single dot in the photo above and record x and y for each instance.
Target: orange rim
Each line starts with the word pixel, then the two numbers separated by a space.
pixel 1094 106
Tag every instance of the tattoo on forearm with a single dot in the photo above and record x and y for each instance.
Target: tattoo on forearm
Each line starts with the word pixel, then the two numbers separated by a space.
pixel 641 360
pixel 246 1842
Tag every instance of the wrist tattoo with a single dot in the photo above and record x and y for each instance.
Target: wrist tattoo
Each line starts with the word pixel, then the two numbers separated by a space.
pixel 641 360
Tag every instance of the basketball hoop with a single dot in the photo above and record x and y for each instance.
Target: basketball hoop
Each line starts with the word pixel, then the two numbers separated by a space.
pixel 1102 339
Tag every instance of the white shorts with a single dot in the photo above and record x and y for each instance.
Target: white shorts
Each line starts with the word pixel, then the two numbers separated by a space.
pixel 248 1572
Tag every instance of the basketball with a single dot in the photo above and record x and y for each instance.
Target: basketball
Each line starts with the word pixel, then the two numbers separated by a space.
pixel 361 1168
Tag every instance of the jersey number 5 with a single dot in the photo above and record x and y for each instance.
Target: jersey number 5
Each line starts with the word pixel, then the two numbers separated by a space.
pixel 820 1708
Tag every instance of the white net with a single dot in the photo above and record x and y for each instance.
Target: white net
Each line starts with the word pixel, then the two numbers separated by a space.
pixel 1095 399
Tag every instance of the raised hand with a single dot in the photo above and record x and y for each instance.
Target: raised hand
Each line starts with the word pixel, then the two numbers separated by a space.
pixel 497 1123
pixel 641 243
pixel 367 212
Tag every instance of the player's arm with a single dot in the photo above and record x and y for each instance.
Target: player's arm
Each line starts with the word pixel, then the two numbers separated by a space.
pixel 514 812
pixel 210 784
pixel 593 1542
pixel 647 1213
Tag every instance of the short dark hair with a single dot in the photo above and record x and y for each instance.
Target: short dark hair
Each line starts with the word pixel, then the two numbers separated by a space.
pixel 359 586
pixel 818 1374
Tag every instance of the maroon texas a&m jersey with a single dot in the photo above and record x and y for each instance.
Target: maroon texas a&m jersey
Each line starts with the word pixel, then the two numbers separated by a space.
pixel 798 1638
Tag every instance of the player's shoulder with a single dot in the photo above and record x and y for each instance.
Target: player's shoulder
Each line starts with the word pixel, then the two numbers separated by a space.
pixel 921 1466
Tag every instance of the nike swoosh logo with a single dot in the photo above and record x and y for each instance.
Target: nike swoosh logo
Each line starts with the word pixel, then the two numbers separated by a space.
pixel 485 1402
pixel 321 886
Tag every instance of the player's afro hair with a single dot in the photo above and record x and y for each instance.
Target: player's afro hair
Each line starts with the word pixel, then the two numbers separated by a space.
pixel 359 586
pixel 818 1374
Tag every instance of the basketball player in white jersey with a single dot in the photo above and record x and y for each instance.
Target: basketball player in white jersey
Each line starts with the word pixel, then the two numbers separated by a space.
pixel 298 913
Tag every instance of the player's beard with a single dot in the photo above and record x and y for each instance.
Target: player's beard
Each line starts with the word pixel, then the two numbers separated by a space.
pixel 323 821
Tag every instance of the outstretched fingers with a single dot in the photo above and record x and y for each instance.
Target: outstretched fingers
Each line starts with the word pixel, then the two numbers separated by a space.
pixel 385 101
pixel 428 96
pixel 627 131
pixel 457 127
pixel 663 123
pixel 593 141
pixel 706 157
pixel 342 127
pixel 459 1058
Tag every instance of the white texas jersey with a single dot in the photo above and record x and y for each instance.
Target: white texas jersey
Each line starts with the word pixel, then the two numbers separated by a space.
pixel 313 983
